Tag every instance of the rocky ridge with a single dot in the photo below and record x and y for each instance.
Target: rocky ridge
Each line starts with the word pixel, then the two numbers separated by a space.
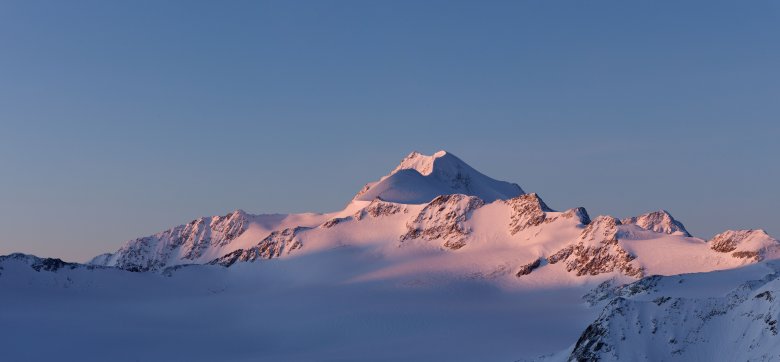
pixel 597 251
pixel 274 245
pixel 659 221
pixel 748 244
pixel 518 221
pixel 659 318
pixel 39 264
pixel 190 241
pixel 443 219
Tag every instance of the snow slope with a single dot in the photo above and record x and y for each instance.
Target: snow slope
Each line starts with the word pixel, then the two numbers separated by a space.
pixel 717 316
pixel 467 225
pixel 203 239
pixel 420 178
pixel 435 257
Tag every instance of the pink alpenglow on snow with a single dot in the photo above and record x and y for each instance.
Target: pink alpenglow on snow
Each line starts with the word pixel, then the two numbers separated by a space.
pixel 433 252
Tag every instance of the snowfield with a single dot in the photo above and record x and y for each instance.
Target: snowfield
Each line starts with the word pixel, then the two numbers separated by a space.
pixel 434 261
pixel 716 316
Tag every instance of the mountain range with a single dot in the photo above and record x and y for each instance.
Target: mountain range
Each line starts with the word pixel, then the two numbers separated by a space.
pixel 439 203
pixel 653 291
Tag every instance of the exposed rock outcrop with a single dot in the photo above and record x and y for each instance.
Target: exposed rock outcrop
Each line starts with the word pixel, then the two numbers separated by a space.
pixel 278 243
pixel 597 251
pixel 659 221
pixel 191 240
pixel 527 210
pixel 745 244
pixel 333 222
pixel 528 268
pixel 40 264
pixel 643 322
pixel 443 219
pixel 220 230
pixel 378 208
pixel 578 212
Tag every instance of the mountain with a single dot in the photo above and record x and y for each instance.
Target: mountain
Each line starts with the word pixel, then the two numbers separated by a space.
pixel 36 263
pixel 717 316
pixel 749 244
pixel 660 221
pixel 437 215
pixel 430 256
pixel 420 179
pixel 306 308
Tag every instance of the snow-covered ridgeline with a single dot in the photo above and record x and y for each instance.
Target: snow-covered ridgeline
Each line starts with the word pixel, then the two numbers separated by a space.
pixel 465 223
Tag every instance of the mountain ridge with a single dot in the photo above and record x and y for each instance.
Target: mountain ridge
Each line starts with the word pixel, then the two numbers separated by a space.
pixel 645 279
pixel 420 178
pixel 544 243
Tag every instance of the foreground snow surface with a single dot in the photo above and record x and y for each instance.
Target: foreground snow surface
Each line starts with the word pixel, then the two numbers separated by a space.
pixel 302 309
pixel 728 315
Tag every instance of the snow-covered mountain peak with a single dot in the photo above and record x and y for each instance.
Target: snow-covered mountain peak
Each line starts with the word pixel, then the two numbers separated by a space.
pixel 603 227
pixel 421 178
pixel 420 162
pixel 527 210
pixel 37 263
pixel 753 244
pixel 438 206
pixel 190 242
pixel 598 251
pixel 718 316
pixel 660 221
pixel 238 213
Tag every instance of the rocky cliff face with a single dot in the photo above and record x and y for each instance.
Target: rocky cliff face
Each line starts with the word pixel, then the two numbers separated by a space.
pixel 676 319
pixel 527 210
pixel 443 219
pixel 578 213
pixel 38 264
pixel 439 200
pixel 378 208
pixel 528 268
pixel 187 242
pixel 597 251
pixel 274 245
pixel 659 221
pixel 598 247
pixel 746 244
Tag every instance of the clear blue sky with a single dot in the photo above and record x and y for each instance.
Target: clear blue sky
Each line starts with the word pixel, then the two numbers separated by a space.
pixel 121 119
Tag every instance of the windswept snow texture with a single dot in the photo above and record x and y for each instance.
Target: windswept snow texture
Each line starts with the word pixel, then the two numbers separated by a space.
pixel 420 178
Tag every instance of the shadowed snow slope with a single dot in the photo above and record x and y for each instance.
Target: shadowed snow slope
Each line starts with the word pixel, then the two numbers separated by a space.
pixel 300 309
pixel 716 316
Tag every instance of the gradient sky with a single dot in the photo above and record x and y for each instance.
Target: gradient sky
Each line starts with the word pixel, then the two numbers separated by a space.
pixel 121 119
